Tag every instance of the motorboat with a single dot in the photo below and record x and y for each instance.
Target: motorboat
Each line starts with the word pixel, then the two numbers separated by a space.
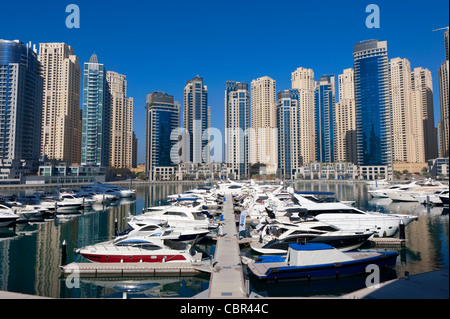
pixel 424 188
pixel 61 206
pixel 318 261
pixel 377 183
pixel 348 217
pixel 7 216
pixel 431 199
pixel 113 189
pixel 383 192
pixel 444 199
pixel 155 249
pixel 150 227
pixel 85 201
pixel 276 236
pixel 31 213
pixel 178 216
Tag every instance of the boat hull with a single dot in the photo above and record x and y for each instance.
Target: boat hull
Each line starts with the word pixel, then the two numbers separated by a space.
pixel 342 243
pixel 6 221
pixel 134 258
pixel 280 270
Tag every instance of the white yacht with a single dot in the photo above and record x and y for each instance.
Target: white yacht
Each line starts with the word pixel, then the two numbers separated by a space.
pixel 424 188
pixel 178 216
pixel 383 192
pixel 432 199
pixel 7 216
pixel 353 219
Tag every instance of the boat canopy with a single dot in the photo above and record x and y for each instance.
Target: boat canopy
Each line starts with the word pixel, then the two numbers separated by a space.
pixel 311 254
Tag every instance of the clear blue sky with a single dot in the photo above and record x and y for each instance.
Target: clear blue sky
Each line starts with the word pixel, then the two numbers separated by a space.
pixel 159 45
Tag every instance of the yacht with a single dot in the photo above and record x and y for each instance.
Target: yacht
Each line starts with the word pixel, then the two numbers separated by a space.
pixel 424 188
pixel 154 249
pixel 444 199
pixel 150 227
pixel 277 236
pixel 351 218
pixel 383 192
pixel 432 199
pixel 7 216
pixel 178 216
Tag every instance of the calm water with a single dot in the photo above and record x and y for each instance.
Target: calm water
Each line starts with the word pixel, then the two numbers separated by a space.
pixel 30 254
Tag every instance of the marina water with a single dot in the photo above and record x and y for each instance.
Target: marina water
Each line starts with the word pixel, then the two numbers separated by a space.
pixel 30 255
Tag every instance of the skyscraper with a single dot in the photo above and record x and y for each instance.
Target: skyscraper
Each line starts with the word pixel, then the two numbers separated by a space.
pixel 325 99
pixel 345 119
pixel 121 121
pixel 302 79
pixel 289 160
pixel 444 81
pixel 196 121
pixel 96 114
pixel 237 124
pixel 162 130
pixel 373 117
pixel 61 123
pixel 400 91
pixel 422 90
pixel 20 109
pixel 263 137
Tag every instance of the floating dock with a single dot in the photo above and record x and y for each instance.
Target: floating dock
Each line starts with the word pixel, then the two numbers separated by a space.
pixel 227 278
pixel 135 269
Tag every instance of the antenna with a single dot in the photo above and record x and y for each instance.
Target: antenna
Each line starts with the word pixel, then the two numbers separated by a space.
pixel 441 29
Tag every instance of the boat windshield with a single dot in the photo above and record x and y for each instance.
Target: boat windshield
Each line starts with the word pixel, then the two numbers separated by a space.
pixel 199 216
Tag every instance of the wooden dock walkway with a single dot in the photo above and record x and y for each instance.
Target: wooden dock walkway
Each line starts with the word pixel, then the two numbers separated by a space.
pixel 227 278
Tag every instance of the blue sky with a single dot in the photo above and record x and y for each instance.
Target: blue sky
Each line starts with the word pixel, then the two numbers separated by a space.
pixel 159 45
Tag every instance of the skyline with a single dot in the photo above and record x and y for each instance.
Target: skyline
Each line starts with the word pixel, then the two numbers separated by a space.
pixel 234 43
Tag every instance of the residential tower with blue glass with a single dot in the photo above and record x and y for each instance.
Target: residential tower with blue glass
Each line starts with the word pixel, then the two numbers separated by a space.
pixel 372 102
pixel 162 132
pixel 324 104
pixel 21 87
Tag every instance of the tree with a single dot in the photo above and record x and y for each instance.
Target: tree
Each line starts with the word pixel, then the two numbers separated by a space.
pixel 141 175
pixel 397 174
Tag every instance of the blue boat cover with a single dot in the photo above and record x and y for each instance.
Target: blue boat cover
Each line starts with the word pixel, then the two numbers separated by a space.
pixel 310 246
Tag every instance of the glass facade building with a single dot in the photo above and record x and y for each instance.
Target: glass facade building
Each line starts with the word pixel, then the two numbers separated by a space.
pixel 324 104
pixel 237 123
pixel 289 159
pixel 162 131
pixel 95 123
pixel 196 121
pixel 373 117
pixel 21 87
